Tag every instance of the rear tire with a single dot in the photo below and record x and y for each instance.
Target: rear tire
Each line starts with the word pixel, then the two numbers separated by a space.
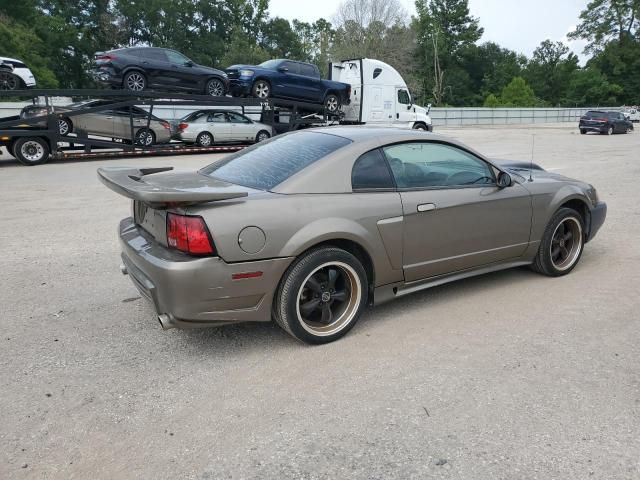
pixel 583 131
pixel 562 244
pixel 134 82
pixel 610 131
pixel 204 139
pixel 262 136
pixel 145 137
pixel 215 88
pixel 9 81
pixel 321 295
pixel 332 103
pixel 31 151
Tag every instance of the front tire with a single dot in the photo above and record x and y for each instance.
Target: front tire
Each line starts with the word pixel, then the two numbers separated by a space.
pixel 65 127
pixel 321 296
pixel 204 139
pixel 562 244
pixel 31 151
pixel 420 126
pixel 261 89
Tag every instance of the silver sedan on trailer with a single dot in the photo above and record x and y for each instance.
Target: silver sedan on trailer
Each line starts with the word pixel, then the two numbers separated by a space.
pixel 206 127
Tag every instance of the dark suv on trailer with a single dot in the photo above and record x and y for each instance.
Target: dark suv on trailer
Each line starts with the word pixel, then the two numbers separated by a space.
pixel 604 122
pixel 139 68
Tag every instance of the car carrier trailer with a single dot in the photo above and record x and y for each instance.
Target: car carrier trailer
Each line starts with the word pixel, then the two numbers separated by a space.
pixel 36 140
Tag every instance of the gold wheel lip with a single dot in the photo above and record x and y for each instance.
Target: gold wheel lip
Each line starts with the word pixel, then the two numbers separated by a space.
pixel 571 260
pixel 350 311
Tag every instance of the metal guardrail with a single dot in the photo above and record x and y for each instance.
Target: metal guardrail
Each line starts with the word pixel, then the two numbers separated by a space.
pixel 508 116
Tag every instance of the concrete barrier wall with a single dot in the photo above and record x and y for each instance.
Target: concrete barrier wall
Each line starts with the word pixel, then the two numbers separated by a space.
pixel 507 116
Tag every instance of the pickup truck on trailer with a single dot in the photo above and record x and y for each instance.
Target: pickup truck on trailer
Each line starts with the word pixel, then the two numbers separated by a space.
pixel 290 80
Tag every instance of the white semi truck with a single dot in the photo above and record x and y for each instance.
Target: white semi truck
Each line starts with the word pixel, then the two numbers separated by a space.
pixel 379 95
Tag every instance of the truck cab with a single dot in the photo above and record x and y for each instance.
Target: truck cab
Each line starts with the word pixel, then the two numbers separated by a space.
pixel 379 95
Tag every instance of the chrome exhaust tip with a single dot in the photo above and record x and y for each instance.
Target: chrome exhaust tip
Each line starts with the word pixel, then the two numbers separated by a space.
pixel 123 270
pixel 166 322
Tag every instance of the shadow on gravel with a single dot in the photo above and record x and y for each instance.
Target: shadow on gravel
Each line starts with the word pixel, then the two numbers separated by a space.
pixel 258 336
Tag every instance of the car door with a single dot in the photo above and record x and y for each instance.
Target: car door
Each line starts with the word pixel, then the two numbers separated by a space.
pixel 310 84
pixel 219 125
pixel 242 129
pixel 183 74
pixel 123 118
pixel 95 123
pixel 289 81
pixel 403 115
pixel 156 66
pixel 455 217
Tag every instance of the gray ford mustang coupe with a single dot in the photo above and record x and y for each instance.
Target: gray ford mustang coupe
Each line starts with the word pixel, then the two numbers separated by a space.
pixel 309 228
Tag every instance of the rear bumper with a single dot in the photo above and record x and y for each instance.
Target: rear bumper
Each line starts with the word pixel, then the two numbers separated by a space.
pixel 602 128
pixel 598 215
pixel 106 76
pixel 192 292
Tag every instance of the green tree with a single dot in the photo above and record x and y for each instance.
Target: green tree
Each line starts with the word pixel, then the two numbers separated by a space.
pixel 606 20
pixel 518 94
pixel 444 29
pixel 589 87
pixel 549 71
pixel 492 101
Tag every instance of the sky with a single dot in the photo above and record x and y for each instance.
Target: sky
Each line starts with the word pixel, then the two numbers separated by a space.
pixel 515 24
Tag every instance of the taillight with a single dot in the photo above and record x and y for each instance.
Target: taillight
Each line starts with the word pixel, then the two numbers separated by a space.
pixel 189 234
pixel 105 57
pixel 166 125
pixel 183 126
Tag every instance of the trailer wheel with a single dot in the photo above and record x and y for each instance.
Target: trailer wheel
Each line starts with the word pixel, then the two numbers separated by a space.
pixel 31 151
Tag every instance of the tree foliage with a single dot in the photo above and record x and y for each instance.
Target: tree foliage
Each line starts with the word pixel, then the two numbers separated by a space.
pixel 439 52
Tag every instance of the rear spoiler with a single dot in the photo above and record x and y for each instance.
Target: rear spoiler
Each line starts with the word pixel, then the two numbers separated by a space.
pixel 130 183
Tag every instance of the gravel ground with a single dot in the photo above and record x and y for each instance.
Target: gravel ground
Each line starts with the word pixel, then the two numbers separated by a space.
pixel 506 376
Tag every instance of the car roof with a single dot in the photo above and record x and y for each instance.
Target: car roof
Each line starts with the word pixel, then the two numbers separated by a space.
pixel 383 134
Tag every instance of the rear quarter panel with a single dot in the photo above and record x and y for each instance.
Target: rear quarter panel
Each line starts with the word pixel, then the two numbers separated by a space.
pixel 293 224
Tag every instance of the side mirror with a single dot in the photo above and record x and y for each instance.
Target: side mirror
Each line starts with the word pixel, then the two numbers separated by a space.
pixel 504 180
pixel 188 63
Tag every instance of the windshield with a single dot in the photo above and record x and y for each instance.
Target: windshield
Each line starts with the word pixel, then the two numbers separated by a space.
pixel 270 64
pixel 269 164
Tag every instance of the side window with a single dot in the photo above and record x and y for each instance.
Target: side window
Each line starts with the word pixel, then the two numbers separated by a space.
pixel 176 58
pixel 218 117
pixel 370 171
pixel 376 72
pixel 429 165
pixel 235 118
pixel 403 97
pixel 307 70
pixel 292 66
pixel 155 54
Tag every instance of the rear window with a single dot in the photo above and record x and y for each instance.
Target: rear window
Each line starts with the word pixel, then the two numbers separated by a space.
pixel 268 164
pixel 595 114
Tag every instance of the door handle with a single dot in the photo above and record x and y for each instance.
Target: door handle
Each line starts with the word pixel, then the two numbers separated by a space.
pixel 426 207
pixel 109 118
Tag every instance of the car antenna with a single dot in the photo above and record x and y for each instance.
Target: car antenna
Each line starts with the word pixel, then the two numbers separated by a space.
pixel 533 146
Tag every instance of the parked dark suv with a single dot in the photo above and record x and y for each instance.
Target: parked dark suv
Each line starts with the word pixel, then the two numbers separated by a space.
pixel 604 122
pixel 288 79
pixel 139 68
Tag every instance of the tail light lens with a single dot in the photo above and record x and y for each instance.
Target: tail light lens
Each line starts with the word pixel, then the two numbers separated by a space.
pixel 166 125
pixel 189 234
pixel 105 57
pixel 183 126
